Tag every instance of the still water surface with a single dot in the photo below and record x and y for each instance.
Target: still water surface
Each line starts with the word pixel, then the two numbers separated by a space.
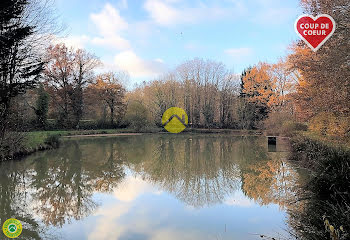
pixel 150 187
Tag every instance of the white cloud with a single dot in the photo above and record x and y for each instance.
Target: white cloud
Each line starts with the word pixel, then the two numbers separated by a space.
pixel 116 42
pixel 110 225
pixel 239 199
pixel 72 41
pixel 237 53
pixel 111 220
pixel 159 60
pixel 171 13
pixel 161 12
pixel 106 218
pixel 136 66
pixel 109 21
pixel 131 188
pixel 110 25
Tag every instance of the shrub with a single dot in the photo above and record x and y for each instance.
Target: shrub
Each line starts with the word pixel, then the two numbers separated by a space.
pixel 53 140
pixel 327 123
pixel 137 115
pixel 289 127
pixel 10 145
pixel 327 188
pixel 321 122
pixel 282 123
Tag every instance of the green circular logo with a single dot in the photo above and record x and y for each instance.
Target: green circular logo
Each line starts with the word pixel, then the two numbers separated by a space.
pixel 12 228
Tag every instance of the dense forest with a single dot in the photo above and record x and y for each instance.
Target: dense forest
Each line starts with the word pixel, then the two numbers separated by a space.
pixel 47 86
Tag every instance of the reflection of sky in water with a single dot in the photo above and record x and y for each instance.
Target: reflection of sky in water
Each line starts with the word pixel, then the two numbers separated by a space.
pixel 140 210
pixel 150 187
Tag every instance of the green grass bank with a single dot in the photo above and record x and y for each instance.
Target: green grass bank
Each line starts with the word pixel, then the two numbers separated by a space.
pixel 324 199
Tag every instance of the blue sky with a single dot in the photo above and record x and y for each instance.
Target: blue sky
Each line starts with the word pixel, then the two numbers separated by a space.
pixel 150 37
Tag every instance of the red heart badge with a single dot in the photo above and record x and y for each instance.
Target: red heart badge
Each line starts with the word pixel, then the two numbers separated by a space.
pixel 315 31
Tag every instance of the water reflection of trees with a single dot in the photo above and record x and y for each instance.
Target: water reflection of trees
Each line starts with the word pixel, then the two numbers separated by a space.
pixel 70 178
pixel 270 180
pixel 199 170
pixel 204 170
pixel 14 200
pixel 62 190
pixel 58 185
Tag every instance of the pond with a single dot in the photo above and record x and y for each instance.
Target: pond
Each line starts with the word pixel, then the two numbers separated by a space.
pixel 159 186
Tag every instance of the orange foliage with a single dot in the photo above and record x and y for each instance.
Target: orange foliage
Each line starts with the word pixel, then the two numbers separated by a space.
pixel 323 89
pixel 108 90
pixel 327 123
pixel 259 86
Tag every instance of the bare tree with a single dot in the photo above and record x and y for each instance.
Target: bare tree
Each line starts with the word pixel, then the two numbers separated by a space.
pixel 109 89
pixel 67 72
pixel 58 75
pixel 83 73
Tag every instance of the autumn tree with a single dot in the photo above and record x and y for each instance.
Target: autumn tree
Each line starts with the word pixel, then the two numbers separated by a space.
pixel 282 115
pixel 67 72
pixel 109 89
pixel 258 86
pixel 211 96
pixel 257 95
pixel 324 85
pixel 205 89
pixel 84 65
pixel 58 75
pixel 284 79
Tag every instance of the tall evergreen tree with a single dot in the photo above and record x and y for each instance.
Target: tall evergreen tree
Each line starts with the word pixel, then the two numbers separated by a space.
pixel 246 110
pixel 241 85
pixel 19 65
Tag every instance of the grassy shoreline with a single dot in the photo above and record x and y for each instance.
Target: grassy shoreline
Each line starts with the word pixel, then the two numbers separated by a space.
pixel 332 141
pixel 325 196
pixel 43 140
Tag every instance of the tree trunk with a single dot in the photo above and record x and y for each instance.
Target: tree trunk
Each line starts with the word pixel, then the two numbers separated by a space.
pixel 112 113
pixel 4 119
